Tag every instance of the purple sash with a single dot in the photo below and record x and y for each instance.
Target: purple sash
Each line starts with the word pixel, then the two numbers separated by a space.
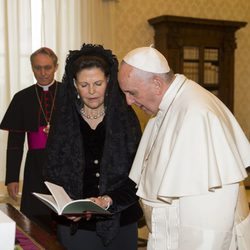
pixel 37 140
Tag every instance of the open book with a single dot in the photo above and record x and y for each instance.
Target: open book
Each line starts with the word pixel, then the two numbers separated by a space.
pixel 61 203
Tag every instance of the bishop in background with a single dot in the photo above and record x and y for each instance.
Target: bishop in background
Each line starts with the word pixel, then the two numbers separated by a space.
pixel 31 113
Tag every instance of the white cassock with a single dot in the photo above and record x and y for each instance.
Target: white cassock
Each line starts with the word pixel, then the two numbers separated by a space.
pixel 188 167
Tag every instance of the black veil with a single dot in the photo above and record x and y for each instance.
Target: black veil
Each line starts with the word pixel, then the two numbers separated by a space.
pixel 65 153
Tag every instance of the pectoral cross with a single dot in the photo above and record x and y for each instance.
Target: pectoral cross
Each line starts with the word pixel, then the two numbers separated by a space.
pixel 46 129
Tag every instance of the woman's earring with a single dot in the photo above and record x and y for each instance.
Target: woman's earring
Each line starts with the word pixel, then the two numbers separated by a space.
pixel 77 96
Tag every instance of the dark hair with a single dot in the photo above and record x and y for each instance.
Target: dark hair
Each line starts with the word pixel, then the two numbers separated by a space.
pixel 89 56
pixel 88 62
pixel 45 51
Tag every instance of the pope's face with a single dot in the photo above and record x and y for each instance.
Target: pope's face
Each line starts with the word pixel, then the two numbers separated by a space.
pixel 44 69
pixel 91 85
pixel 138 90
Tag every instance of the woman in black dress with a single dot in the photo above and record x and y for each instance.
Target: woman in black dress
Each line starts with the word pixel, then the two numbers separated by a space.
pixel 90 151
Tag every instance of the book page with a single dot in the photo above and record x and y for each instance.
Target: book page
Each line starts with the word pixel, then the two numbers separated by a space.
pixel 59 195
pixel 48 200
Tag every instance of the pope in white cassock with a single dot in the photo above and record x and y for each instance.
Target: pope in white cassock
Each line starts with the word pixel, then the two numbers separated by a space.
pixel 190 162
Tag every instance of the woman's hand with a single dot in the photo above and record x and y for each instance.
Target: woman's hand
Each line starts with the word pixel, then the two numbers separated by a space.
pixel 85 215
pixel 103 201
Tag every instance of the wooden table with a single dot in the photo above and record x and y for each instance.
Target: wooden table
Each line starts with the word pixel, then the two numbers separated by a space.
pixel 37 234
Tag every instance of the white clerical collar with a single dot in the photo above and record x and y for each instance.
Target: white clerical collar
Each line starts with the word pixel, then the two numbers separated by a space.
pixel 46 87
pixel 172 91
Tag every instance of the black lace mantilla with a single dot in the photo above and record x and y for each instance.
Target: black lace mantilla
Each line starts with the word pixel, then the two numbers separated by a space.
pixel 65 163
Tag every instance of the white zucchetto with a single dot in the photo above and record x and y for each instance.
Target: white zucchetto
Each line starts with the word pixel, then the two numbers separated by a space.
pixel 147 59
